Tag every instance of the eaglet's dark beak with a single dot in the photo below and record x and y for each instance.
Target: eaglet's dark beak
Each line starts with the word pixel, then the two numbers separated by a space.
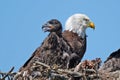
pixel 47 27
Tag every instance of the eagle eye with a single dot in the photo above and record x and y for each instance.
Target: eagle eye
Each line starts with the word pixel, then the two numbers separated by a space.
pixel 51 22
pixel 86 19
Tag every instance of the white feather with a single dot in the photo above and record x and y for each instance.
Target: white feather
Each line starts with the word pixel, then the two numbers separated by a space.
pixel 77 24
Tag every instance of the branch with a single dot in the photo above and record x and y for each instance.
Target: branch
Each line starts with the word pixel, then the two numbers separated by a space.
pixel 72 73
pixel 7 74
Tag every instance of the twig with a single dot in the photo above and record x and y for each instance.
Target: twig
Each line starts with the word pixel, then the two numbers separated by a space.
pixel 7 74
pixel 17 75
pixel 55 76
pixel 75 74
pixel 43 64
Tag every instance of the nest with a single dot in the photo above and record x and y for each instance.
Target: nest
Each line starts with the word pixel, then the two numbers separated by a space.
pixel 40 71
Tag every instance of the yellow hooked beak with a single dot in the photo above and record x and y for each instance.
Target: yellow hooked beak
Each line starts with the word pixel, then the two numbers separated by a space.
pixel 91 25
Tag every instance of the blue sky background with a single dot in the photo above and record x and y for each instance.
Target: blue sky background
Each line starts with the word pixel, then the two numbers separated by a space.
pixel 21 21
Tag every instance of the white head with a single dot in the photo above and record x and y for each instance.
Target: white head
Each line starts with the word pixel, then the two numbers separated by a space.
pixel 78 23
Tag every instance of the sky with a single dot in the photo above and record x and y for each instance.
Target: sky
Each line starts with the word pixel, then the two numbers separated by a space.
pixel 21 21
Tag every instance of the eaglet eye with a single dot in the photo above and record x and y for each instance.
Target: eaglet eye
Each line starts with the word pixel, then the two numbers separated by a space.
pixel 51 22
pixel 55 22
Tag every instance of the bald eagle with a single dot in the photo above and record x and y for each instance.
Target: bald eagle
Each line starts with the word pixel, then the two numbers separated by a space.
pixel 66 48
pixel 75 35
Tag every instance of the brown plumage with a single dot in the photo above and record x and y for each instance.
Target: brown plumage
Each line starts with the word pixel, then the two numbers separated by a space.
pixel 77 45
pixel 62 49
pixel 54 48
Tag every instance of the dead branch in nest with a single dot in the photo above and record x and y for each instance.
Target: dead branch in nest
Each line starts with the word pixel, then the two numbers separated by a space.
pixel 8 74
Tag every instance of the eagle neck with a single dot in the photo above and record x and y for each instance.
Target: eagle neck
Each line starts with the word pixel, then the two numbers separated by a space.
pixel 81 32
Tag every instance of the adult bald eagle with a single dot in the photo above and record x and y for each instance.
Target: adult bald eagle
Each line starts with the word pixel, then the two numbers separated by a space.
pixel 64 49
pixel 75 36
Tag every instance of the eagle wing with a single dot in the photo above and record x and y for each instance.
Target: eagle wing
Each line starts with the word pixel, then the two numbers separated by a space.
pixel 77 44
pixel 52 51
pixel 77 47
